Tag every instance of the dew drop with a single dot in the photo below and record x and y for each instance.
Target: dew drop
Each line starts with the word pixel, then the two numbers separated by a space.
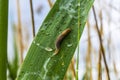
pixel 74 36
pixel 78 4
pixel 69 45
pixel 62 69
pixel 47 34
pixel 56 77
pixel 37 44
pixel 55 61
pixel 62 63
pixel 34 42
pixel 71 16
pixel 48 49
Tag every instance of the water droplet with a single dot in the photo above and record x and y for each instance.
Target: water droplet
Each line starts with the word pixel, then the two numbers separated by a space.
pixel 74 36
pixel 71 16
pixel 54 60
pixel 45 67
pixel 56 77
pixel 61 57
pixel 78 4
pixel 48 49
pixel 69 45
pixel 34 42
pixel 37 44
pixel 62 69
pixel 62 63
pixel 47 34
pixel 72 11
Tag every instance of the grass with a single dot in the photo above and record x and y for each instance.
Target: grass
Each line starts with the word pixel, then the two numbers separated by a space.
pixel 3 38
pixel 40 63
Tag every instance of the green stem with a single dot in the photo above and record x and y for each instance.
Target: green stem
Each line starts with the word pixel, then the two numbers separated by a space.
pixel 3 38
pixel 77 64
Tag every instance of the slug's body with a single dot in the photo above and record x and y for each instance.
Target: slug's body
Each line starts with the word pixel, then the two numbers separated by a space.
pixel 60 38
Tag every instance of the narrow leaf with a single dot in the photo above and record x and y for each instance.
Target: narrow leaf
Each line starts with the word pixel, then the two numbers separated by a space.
pixel 3 38
pixel 40 62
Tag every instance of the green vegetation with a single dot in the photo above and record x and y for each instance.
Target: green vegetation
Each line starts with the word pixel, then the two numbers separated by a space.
pixel 40 62
pixel 3 38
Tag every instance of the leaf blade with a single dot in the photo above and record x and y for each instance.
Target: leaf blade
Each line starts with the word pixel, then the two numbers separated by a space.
pixel 40 63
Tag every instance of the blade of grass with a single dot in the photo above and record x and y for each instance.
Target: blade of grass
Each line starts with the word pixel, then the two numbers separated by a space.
pixel 50 3
pixel 78 37
pixel 20 32
pixel 101 45
pixel 3 38
pixel 99 59
pixel 88 56
pixel 13 67
pixel 40 63
pixel 32 17
pixel 99 66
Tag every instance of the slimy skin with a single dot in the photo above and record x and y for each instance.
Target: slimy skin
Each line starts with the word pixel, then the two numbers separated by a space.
pixel 60 39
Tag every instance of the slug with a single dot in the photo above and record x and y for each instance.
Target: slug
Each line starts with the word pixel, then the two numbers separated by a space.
pixel 60 39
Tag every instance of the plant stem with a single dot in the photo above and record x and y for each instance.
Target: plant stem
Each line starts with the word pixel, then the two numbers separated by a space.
pixel 99 66
pixel 20 32
pixel 78 38
pixel 3 38
pixel 88 56
pixel 101 45
pixel 100 55
pixel 32 17
pixel 50 3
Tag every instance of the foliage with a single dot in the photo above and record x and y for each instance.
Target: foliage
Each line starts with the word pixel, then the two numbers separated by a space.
pixel 3 38
pixel 40 62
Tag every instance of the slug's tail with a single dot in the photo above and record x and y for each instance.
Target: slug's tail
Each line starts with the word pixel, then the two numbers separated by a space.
pixel 56 51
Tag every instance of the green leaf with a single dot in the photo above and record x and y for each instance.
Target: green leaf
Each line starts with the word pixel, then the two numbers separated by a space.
pixel 3 38
pixel 40 62
pixel 13 66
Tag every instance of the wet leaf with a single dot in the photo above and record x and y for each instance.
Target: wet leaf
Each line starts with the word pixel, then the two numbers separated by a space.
pixel 41 63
